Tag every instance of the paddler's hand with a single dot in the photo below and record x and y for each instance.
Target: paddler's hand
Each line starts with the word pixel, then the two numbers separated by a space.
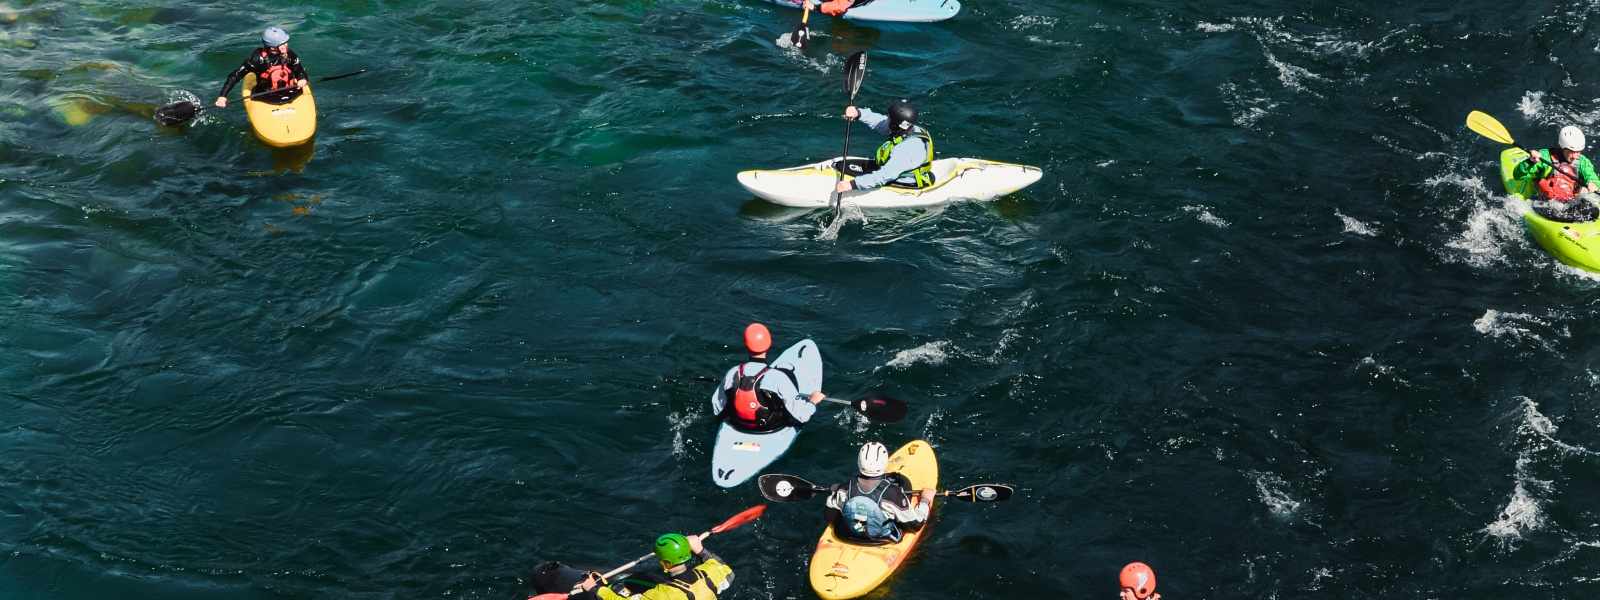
pixel 695 545
pixel 589 582
pixel 817 396
pixel 851 114
pixel 222 102
pixel 927 496
pixel 302 83
pixel 844 186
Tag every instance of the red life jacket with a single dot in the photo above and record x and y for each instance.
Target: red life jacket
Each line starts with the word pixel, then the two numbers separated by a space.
pixel 747 407
pixel 755 409
pixel 277 76
pixel 1562 184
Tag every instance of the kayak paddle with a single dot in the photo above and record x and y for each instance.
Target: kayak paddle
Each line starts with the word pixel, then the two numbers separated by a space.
pixel 877 407
pixel 1482 124
pixel 855 70
pixel 733 522
pixel 180 112
pixel 803 32
pixel 789 488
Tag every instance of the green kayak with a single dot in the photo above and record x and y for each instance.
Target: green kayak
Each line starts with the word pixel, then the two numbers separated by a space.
pixel 1577 244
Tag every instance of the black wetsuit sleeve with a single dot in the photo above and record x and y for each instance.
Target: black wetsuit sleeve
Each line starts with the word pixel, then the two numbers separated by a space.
pixel 295 68
pixel 238 74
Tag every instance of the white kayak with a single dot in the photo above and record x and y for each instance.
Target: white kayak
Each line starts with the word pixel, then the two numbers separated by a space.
pixel 739 455
pixel 903 11
pixel 811 186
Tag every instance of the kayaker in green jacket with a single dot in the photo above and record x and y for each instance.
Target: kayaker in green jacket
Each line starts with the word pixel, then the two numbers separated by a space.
pixel 1564 172
pixel 677 581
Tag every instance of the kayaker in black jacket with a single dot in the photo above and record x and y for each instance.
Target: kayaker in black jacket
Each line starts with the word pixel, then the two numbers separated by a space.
pixel 276 68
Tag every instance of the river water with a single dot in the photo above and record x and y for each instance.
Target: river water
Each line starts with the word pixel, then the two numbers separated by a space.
pixel 1266 323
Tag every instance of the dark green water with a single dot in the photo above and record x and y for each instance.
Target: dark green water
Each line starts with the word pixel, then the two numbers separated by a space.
pixel 1265 323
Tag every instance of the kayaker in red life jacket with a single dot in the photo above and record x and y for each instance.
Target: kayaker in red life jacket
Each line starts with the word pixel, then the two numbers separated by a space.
pixel 1138 582
pixel 276 67
pixel 1563 172
pixel 756 397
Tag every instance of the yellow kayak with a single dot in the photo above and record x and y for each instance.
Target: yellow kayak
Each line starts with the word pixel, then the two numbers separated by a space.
pixel 281 125
pixel 840 569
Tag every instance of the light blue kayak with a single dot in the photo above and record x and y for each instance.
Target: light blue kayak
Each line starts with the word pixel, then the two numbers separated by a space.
pixel 740 455
pixel 902 11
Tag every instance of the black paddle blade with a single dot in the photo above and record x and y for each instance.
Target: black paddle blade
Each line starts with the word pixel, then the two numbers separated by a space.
pixel 855 70
pixel 881 408
pixel 984 492
pixel 786 488
pixel 799 36
pixel 176 113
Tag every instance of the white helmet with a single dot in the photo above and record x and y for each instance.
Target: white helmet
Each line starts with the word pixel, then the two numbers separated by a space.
pixel 1571 138
pixel 274 37
pixel 873 459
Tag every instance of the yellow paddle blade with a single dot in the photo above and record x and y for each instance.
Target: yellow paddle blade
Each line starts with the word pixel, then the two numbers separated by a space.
pixel 1488 127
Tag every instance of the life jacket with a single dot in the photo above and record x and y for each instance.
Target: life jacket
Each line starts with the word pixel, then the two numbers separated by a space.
pixel 703 582
pixel 862 512
pixel 1562 182
pixel 922 176
pixel 753 408
pixel 278 74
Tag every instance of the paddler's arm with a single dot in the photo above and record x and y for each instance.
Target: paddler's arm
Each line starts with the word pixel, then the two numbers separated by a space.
pixel 801 406
pixel 1586 170
pixel 233 78
pixel 719 398
pixel 297 69
pixel 1533 168
pixel 907 156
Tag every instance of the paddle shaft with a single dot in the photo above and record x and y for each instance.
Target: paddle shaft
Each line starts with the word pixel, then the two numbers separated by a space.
pixel 280 90
pixel 624 568
pixel 837 197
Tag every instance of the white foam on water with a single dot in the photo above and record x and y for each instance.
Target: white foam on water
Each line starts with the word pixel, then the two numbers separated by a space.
pixel 1519 327
pixel 1351 225
pixel 1522 514
pixel 1382 371
pixel 1215 27
pixel 1247 108
pixel 1203 214
pixel 1540 431
pixel 680 422
pixel 1531 104
pixel 932 353
pixel 1273 492
pixel 1021 22
pixel 848 211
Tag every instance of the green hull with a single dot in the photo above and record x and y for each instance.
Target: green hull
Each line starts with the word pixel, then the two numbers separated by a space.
pixel 1576 244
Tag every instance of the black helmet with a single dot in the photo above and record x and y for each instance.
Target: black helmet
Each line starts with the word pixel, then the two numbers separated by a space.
pixel 902 115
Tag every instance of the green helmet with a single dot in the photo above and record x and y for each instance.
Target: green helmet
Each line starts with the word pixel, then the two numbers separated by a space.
pixel 673 549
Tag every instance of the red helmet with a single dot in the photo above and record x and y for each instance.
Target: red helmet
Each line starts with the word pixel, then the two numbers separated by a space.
pixel 1140 578
pixel 757 339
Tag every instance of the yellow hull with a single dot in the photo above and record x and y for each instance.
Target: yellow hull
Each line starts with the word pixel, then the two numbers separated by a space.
pixel 842 570
pixel 281 125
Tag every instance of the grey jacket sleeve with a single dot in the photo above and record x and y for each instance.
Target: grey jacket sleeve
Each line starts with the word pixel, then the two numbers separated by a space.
pixel 907 156
pixel 870 118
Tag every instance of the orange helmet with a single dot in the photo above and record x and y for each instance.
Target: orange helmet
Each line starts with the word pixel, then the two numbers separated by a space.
pixel 1140 578
pixel 757 339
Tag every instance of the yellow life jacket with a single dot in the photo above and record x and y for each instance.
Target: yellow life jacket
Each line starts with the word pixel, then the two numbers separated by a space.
pixel 922 175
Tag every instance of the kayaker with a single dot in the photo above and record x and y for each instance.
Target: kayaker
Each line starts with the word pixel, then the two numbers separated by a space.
pixel 1563 172
pixel 276 68
pixel 875 505
pixel 1138 582
pixel 763 398
pixel 906 160
pixel 678 580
